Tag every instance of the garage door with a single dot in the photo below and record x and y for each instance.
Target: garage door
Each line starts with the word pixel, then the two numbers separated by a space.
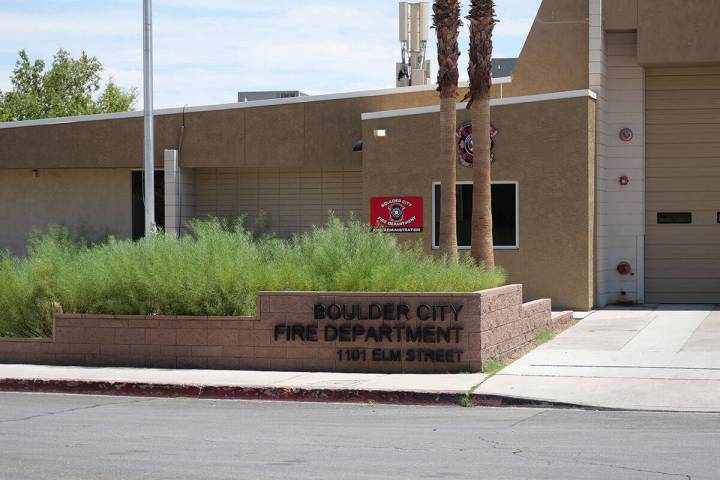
pixel 682 251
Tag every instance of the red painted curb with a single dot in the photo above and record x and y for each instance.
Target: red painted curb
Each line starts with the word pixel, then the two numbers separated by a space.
pixel 224 392
pixel 139 389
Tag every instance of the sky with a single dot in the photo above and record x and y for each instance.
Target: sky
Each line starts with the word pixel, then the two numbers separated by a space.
pixel 205 51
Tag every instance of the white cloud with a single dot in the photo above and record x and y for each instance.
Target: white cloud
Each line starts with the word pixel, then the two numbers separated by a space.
pixel 207 51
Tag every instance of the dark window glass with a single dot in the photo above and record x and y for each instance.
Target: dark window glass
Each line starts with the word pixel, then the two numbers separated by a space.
pixel 138 205
pixel 504 208
pixel 674 217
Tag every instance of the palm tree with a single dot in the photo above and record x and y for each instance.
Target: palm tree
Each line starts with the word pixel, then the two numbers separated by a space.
pixel 482 22
pixel 446 21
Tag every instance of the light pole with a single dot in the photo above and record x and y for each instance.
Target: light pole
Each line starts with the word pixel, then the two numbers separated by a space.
pixel 148 160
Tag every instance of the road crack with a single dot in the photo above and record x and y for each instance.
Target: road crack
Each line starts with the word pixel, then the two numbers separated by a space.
pixel 497 445
pixel 72 410
pixel 634 469
pixel 527 418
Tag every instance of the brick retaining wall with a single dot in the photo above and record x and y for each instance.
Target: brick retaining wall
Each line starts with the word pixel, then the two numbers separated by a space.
pixel 490 324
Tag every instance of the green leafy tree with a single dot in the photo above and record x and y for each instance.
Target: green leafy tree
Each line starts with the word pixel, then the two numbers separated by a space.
pixel 69 87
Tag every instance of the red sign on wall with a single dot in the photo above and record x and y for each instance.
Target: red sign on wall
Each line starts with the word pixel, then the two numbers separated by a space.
pixel 396 214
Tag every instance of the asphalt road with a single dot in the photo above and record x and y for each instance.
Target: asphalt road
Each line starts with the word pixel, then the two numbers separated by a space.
pixel 91 437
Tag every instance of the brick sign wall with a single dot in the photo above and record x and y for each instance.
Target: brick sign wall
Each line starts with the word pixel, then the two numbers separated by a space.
pixel 306 331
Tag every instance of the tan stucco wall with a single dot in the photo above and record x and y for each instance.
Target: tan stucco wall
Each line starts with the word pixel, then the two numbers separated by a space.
pixel 670 32
pixel 313 134
pixel 90 202
pixel 548 148
pixel 555 55
pixel 678 32
pixel 620 15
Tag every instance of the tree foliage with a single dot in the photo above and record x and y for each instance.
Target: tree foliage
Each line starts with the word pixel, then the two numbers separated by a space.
pixel 446 20
pixel 482 23
pixel 68 87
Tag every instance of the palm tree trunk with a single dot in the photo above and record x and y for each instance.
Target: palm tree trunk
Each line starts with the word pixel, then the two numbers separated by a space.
pixel 482 23
pixel 448 200
pixel 446 21
pixel 482 224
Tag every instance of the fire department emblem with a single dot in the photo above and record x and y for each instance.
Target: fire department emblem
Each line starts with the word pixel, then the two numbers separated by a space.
pixel 397 212
pixel 465 144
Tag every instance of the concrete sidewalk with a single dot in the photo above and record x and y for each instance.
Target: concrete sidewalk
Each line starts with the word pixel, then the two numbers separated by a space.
pixel 431 383
pixel 654 358
pixel 389 388
pixel 663 358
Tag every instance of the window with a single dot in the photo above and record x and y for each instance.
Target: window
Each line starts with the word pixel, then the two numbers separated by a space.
pixel 674 217
pixel 504 211
pixel 138 204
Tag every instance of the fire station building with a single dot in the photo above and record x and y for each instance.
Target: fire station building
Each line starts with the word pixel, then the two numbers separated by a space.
pixel 606 160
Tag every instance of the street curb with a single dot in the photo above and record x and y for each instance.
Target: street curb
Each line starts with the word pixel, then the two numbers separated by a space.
pixel 250 392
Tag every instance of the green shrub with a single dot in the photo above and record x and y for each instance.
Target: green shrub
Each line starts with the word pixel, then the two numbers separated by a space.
pixel 544 336
pixel 492 367
pixel 216 270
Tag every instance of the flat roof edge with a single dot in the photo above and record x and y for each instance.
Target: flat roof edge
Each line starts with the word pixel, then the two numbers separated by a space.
pixel 544 97
pixel 235 105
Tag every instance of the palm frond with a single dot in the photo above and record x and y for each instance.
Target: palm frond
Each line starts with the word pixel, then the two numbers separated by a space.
pixel 482 22
pixel 446 21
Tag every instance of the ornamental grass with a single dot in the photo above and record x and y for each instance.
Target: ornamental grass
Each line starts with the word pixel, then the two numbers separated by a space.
pixel 215 270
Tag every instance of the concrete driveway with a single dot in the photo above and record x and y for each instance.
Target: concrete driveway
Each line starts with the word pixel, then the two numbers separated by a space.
pixel 664 357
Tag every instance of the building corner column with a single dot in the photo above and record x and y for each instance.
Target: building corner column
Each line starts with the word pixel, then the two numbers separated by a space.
pixel 597 76
pixel 618 79
pixel 179 198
